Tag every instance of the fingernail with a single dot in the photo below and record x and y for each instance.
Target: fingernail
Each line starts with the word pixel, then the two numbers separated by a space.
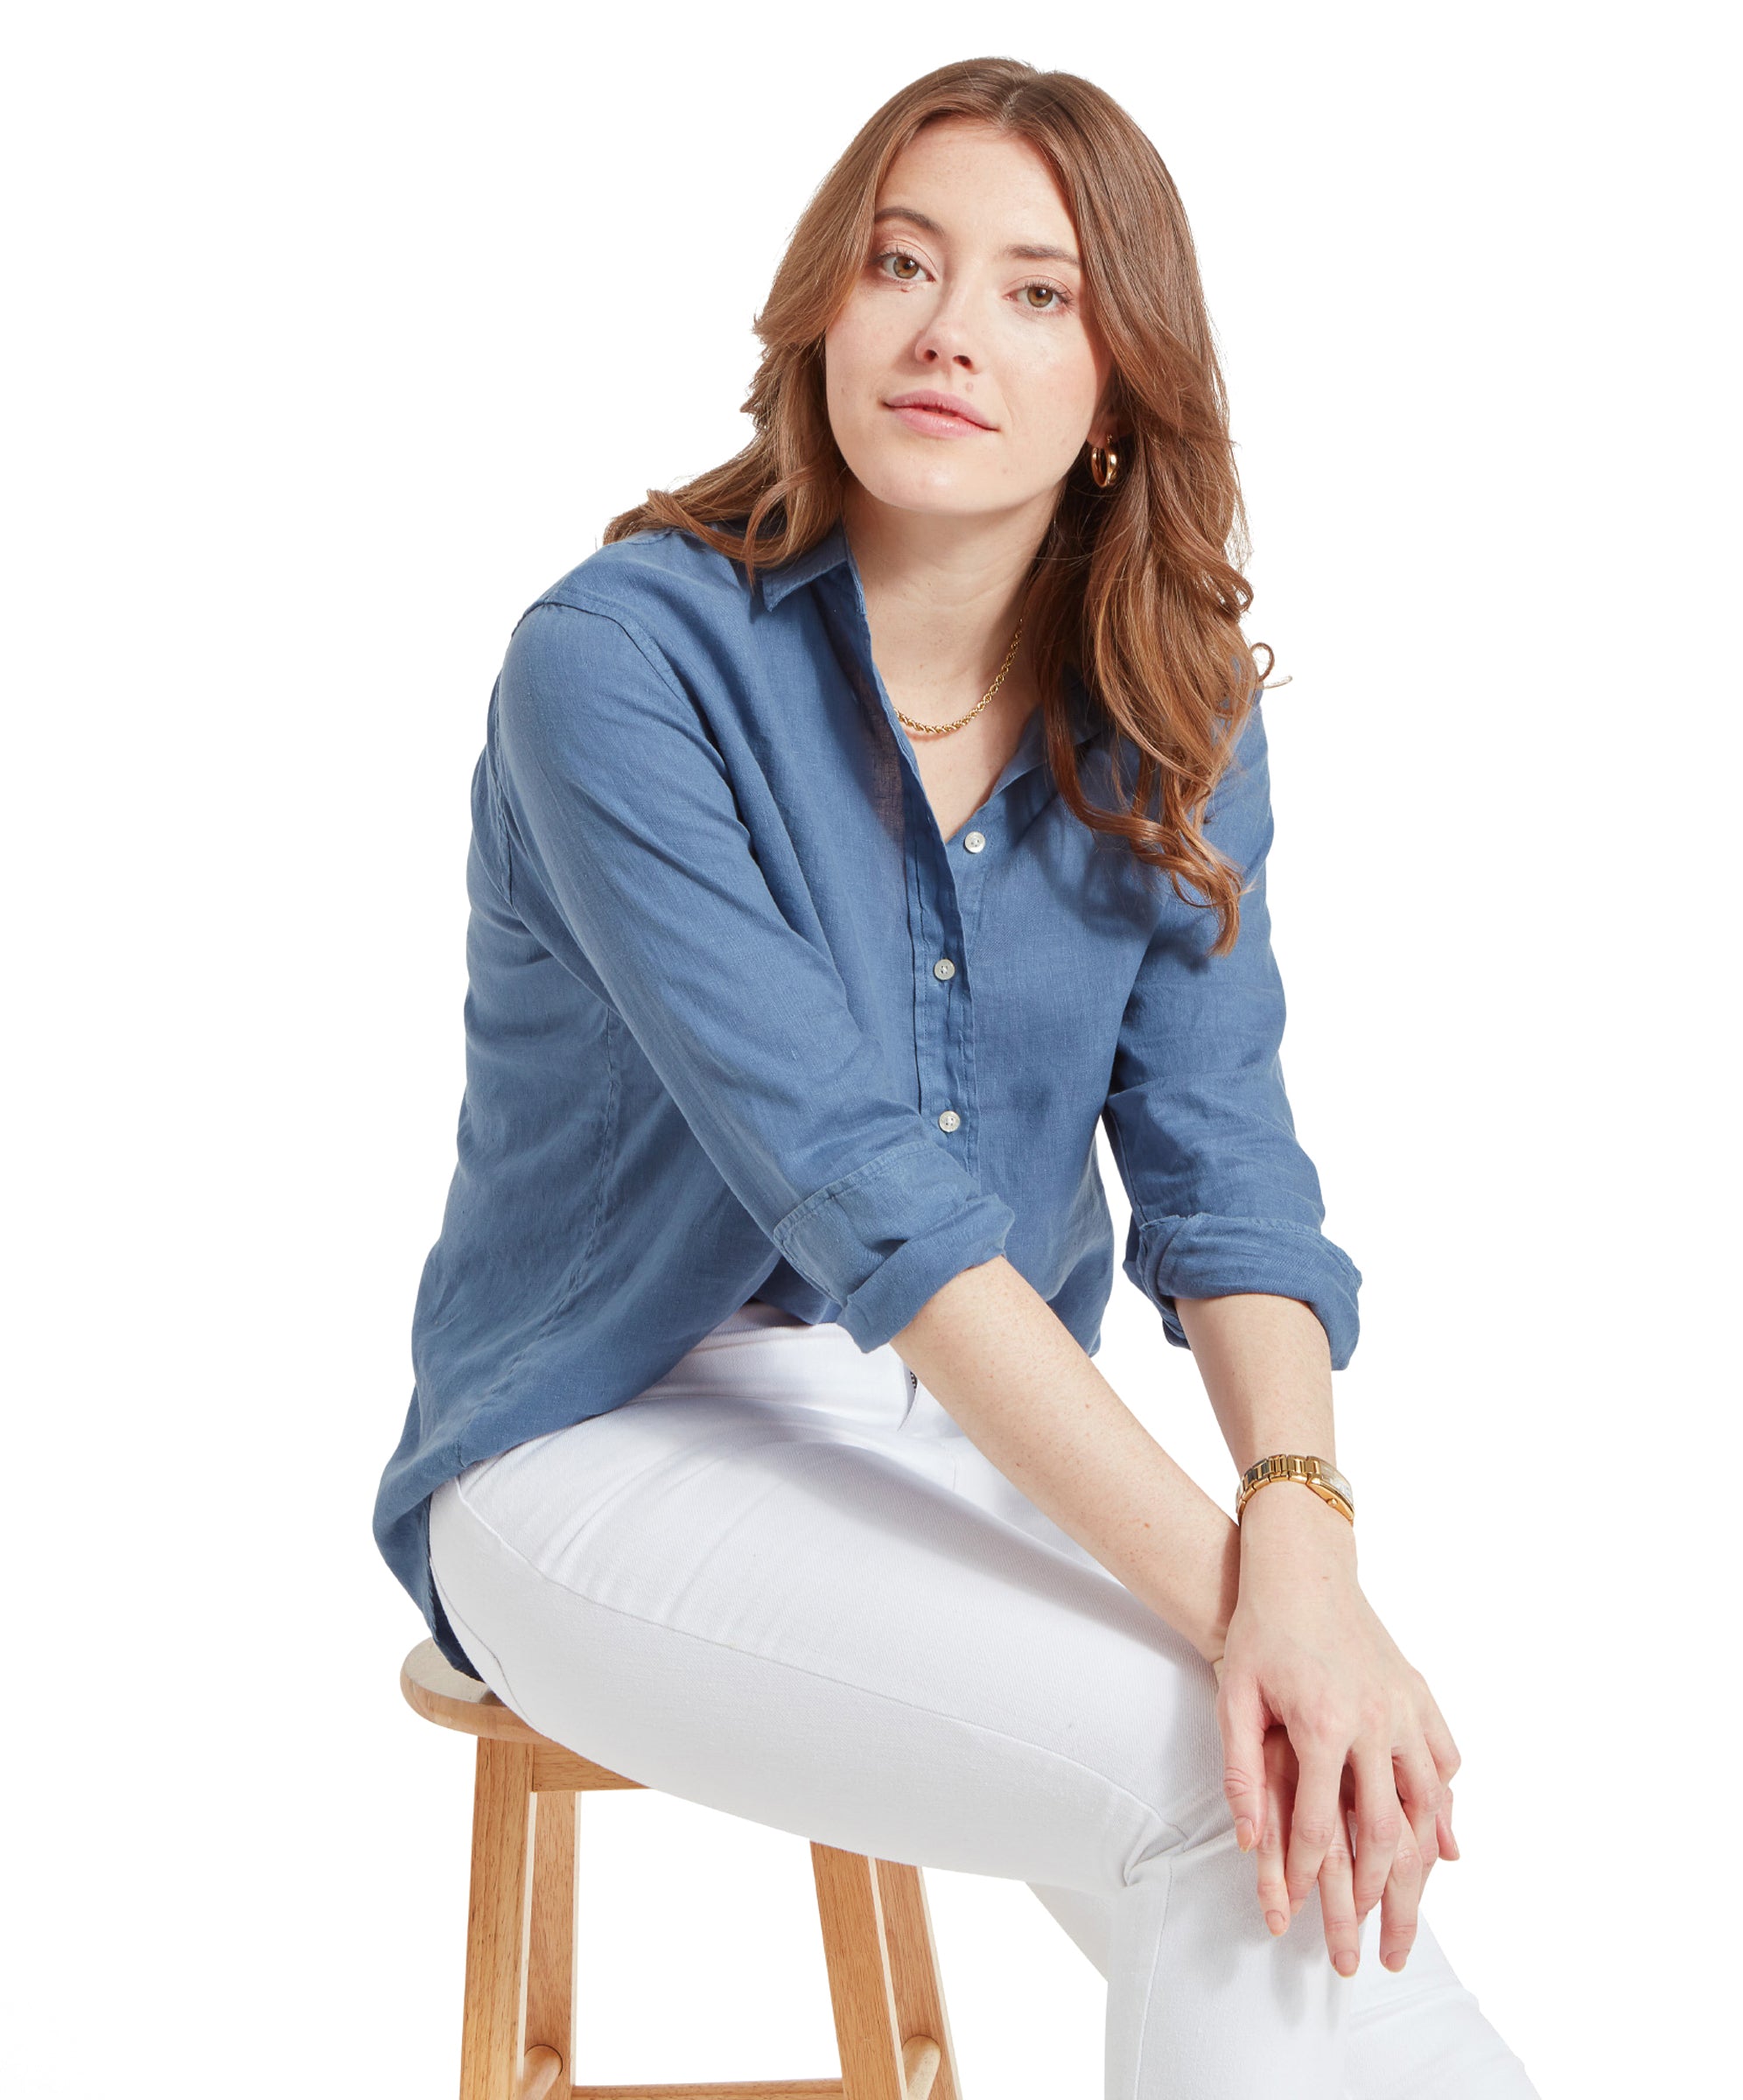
pixel 1296 1905
pixel 1278 1922
pixel 1395 1961
pixel 1243 1834
pixel 1345 1963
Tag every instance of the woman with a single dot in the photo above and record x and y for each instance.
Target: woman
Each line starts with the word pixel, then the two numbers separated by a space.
pixel 858 827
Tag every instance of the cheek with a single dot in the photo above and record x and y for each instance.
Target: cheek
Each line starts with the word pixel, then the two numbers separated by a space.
pixel 858 333
pixel 1059 391
pixel 850 358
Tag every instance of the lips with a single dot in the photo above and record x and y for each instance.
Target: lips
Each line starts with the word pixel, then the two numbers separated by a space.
pixel 931 402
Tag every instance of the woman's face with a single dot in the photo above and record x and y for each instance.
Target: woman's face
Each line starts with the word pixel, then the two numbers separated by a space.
pixel 953 298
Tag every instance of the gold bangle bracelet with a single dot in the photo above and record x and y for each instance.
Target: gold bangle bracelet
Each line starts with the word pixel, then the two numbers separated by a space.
pixel 1323 1478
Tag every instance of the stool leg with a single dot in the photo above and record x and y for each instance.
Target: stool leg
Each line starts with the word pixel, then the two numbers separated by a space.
pixel 913 1967
pixel 497 1922
pixel 550 1973
pixel 883 2057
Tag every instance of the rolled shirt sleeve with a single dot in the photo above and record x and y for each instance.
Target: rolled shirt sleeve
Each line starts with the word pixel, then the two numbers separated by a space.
pixel 619 803
pixel 1223 1198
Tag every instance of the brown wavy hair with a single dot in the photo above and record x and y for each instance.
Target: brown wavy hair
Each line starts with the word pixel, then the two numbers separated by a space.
pixel 1139 586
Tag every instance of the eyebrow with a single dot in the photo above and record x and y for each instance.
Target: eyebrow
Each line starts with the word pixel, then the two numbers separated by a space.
pixel 1026 251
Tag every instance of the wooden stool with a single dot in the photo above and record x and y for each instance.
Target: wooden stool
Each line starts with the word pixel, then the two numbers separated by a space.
pixel 516 2038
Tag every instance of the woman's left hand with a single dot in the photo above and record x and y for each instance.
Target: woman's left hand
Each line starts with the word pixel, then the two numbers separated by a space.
pixel 1305 1652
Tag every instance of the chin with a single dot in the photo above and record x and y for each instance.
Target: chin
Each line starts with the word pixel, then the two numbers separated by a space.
pixel 905 485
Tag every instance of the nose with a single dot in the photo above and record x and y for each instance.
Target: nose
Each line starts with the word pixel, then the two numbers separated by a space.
pixel 947 335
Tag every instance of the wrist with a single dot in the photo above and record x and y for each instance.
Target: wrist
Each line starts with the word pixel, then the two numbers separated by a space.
pixel 1288 1516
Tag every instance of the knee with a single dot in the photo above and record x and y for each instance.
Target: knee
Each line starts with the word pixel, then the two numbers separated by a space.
pixel 1205 1827
pixel 1181 1785
pixel 1130 1811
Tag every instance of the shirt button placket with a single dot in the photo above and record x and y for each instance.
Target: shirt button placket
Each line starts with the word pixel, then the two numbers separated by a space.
pixel 944 969
pixel 945 1020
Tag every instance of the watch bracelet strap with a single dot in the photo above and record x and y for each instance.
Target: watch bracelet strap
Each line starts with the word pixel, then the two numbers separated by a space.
pixel 1318 1474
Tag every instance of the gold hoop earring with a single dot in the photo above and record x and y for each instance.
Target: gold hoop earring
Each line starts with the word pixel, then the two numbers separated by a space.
pixel 1104 465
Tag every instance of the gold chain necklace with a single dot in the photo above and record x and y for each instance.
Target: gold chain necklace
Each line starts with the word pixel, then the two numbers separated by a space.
pixel 943 729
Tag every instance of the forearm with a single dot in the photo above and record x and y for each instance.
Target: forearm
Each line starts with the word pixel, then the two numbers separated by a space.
pixel 1267 1371
pixel 1015 1379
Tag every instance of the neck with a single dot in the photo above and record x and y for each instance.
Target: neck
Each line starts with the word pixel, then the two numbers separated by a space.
pixel 943 594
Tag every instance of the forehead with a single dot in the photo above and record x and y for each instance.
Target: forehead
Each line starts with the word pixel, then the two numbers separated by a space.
pixel 958 172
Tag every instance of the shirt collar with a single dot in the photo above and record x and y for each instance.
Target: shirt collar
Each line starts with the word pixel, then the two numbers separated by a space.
pixel 832 552
pixel 829 552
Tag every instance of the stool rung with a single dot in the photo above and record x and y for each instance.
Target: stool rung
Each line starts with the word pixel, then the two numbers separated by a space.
pixel 758 2088
pixel 920 2059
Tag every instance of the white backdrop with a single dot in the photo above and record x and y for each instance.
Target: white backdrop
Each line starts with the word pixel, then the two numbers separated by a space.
pixel 340 332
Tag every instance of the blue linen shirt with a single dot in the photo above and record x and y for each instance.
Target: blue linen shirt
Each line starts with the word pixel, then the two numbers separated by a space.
pixel 741 1021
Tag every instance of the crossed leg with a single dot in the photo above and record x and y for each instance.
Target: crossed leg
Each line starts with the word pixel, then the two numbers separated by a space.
pixel 832 1622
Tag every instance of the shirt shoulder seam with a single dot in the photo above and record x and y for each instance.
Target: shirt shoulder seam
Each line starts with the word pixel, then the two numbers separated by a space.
pixel 646 646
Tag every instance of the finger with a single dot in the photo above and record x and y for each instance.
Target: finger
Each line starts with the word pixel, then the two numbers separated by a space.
pixel 1279 1791
pixel 1398 1907
pixel 1426 1830
pixel 1445 1753
pixel 1379 1820
pixel 1420 1786
pixel 1421 1793
pixel 1441 1747
pixel 1337 1900
pixel 1240 1717
pixel 1449 1843
pixel 1313 1818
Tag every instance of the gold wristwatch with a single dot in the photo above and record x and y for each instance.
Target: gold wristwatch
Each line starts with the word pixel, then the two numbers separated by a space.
pixel 1325 1480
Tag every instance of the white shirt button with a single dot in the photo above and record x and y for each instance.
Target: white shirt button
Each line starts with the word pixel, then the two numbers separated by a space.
pixel 943 968
pixel 973 840
pixel 948 1120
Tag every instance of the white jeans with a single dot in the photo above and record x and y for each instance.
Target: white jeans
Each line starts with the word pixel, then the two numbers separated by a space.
pixel 782 1582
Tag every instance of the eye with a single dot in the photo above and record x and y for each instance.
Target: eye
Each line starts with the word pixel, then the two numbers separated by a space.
pixel 1060 299
pixel 898 255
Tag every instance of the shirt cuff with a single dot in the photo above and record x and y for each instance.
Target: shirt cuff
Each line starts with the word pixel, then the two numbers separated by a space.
pixel 884 1239
pixel 1209 1257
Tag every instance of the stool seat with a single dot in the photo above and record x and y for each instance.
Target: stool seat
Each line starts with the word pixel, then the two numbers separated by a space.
pixel 517 2024
pixel 441 1693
